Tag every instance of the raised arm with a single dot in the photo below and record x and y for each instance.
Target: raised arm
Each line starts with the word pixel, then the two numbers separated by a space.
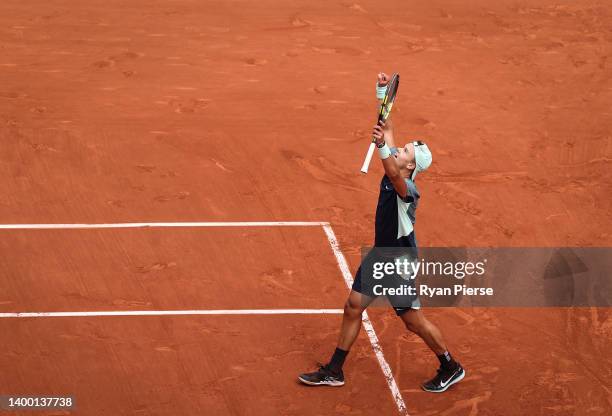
pixel 390 165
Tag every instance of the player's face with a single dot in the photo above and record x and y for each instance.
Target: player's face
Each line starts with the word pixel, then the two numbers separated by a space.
pixel 405 156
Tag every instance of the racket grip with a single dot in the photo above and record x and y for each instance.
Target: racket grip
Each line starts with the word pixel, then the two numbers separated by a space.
pixel 368 158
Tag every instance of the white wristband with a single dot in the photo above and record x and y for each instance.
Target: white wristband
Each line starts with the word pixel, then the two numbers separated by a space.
pixel 380 91
pixel 384 152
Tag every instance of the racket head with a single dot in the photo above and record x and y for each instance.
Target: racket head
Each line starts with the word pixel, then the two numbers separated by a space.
pixel 387 103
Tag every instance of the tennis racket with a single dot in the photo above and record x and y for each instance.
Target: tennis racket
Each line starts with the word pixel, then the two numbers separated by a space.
pixel 383 114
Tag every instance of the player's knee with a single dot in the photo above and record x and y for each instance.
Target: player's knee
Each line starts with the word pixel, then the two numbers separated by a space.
pixel 415 326
pixel 352 308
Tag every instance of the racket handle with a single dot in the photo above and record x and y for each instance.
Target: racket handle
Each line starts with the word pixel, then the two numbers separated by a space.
pixel 368 158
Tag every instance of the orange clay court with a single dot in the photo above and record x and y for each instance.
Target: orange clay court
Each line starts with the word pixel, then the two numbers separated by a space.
pixel 240 119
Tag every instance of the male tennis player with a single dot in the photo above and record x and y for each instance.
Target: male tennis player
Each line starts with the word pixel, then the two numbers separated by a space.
pixel 394 227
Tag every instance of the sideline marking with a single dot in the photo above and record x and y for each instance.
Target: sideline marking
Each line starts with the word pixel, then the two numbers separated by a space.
pixel 179 312
pixel 367 324
pixel 164 224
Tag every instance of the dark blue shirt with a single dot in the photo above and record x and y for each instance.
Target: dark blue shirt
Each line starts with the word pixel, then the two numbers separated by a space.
pixel 395 217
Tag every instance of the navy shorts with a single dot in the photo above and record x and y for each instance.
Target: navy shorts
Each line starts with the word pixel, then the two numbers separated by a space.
pixel 399 310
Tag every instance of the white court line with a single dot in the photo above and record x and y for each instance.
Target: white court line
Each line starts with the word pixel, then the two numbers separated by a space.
pixel 367 324
pixel 163 224
pixel 179 312
pixel 331 237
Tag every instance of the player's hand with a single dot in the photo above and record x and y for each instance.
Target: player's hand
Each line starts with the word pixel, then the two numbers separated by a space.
pixel 383 79
pixel 378 134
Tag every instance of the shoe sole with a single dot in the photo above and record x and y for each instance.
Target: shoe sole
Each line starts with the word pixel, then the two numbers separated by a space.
pixel 457 380
pixel 326 383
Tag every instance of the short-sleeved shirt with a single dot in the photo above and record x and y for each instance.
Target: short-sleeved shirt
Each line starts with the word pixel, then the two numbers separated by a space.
pixel 395 216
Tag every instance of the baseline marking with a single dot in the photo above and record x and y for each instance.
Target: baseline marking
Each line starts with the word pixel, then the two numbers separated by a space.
pixel 178 312
pixel 367 324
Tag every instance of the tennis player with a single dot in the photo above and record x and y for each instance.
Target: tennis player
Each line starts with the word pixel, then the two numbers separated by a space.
pixel 394 227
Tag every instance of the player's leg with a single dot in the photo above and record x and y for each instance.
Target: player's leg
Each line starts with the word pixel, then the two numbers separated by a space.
pixel 331 374
pixel 415 321
pixel 450 371
pixel 351 319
